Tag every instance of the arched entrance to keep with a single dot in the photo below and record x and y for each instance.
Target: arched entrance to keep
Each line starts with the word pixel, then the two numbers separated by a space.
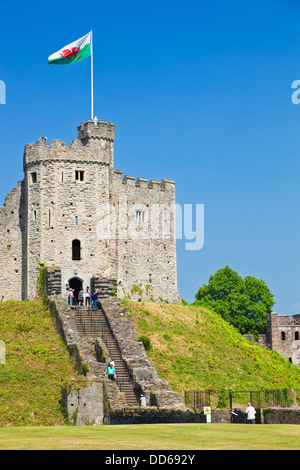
pixel 76 284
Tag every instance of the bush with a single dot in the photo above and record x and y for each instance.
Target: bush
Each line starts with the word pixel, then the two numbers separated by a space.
pixel 146 342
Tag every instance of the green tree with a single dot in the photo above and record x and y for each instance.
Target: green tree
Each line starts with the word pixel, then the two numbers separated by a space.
pixel 245 303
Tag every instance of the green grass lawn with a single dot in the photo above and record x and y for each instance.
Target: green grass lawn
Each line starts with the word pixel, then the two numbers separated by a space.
pixel 152 437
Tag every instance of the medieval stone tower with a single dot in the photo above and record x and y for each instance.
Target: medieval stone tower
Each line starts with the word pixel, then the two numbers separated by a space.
pixel 76 214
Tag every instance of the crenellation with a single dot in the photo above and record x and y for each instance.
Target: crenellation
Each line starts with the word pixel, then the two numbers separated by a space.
pixel 142 182
pixel 129 180
pixel 90 130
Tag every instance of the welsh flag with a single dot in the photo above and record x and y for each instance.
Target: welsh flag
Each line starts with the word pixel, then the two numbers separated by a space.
pixel 73 52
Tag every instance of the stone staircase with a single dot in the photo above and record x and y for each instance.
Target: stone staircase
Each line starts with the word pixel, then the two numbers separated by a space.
pixel 95 338
pixel 94 324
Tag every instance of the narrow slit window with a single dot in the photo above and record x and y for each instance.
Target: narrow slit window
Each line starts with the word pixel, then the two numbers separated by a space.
pixel 76 221
pixel 33 177
pixel 139 216
pixel 79 175
pixel 283 336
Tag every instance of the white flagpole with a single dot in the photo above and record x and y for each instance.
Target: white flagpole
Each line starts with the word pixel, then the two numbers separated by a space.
pixel 92 77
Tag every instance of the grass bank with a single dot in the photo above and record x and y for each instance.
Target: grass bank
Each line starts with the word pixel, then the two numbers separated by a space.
pixel 194 348
pixel 36 361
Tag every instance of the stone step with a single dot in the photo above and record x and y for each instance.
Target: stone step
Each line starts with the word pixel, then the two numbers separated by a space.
pixel 94 323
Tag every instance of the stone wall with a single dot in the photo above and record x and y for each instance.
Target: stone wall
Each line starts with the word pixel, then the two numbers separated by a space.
pixel 281 416
pixel 53 281
pixel 261 341
pixel 284 336
pixel 84 401
pixel 13 245
pixel 145 246
pixel 152 415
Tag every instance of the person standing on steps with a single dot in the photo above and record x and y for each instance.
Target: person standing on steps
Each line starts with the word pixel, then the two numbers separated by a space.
pixel 87 297
pixel 143 401
pixel 94 300
pixel 111 372
pixel 71 297
pixel 80 298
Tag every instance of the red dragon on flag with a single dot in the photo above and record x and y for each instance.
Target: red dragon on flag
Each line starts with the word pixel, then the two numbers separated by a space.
pixel 67 53
pixel 73 52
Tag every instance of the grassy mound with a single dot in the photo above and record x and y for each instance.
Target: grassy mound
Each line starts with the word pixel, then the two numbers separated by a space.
pixel 191 347
pixel 35 362
pixel 194 348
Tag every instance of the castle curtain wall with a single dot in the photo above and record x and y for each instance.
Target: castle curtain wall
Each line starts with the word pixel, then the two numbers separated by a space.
pixel 12 245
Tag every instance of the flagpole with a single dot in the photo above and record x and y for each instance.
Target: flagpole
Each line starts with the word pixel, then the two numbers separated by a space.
pixel 92 77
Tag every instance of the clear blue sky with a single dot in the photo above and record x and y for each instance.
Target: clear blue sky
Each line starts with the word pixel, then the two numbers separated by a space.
pixel 200 92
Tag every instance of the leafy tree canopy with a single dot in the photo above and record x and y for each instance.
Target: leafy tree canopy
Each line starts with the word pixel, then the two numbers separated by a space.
pixel 245 303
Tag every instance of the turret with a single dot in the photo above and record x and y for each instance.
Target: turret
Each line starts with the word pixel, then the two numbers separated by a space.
pixel 91 130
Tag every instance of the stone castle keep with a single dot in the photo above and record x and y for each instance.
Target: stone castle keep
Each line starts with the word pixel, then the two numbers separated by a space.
pixel 75 213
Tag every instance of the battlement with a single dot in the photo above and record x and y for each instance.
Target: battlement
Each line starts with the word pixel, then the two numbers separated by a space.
pixel 94 143
pixel 153 185
pixel 96 130
pixel 284 320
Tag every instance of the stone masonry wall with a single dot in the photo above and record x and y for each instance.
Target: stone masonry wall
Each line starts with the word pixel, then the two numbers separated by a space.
pixel 281 416
pixel 145 242
pixel 12 245
pixel 284 334
pixel 84 402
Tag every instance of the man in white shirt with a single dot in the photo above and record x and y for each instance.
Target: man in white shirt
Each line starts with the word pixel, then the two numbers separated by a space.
pixel 250 411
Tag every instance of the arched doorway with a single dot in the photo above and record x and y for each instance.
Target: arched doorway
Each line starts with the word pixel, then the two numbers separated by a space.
pixel 76 284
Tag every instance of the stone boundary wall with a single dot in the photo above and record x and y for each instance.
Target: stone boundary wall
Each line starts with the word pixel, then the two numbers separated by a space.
pixel 153 415
pixel 83 403
pixel 281 416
